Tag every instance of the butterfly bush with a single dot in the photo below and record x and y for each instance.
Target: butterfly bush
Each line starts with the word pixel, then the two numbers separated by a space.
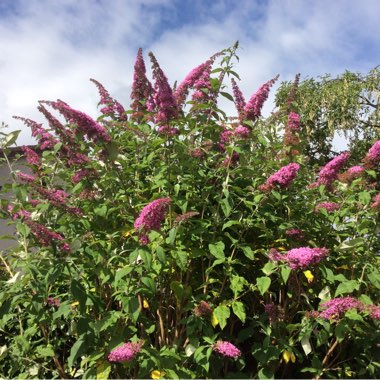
pixel 151 239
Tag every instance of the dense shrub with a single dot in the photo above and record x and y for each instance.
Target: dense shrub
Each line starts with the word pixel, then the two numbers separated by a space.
pixel 168 240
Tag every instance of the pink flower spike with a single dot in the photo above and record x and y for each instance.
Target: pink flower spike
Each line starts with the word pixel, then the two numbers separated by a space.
pixel 336 307
pixel 226 349
pixel 190 80
pixel 150 218
pixel 252 110
pixel 238 98
pixel 85 124
pixel 294 121
pixel 303 257
pixel 283 177
pixel 328 206
pixel 142 89
pixel 329 173
pixel 163 97
pixel 373 155
pixel 126 352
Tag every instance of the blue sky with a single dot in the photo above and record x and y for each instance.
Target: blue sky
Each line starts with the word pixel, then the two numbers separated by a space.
pixel 50 48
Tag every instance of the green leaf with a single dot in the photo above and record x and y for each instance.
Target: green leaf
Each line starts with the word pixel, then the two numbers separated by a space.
pixel 263 284
pixel 347 287
pixel 180 291
pixel 101 211
pixel 226 207
pixel 222 313
pixel 103 369
pixel 248 252
pixel 133 308
pixel 285 273
pixel 239 310
pixel 269 268
pixel 237 284
pixel 230 223
pixel 172 236
pixel 180 258
pixel 79 294
pixel 76 350
pixel 353 315
pixel 217 249
pixel 161 254
pixel 10 139
pixel 374 278
pixel 227 95
pixel 351 244
pixel 45 351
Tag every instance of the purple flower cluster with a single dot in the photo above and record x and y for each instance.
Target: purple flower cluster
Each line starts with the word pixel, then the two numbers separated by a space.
pixel 203 309
pixel 304 256
pixel 336 307
pixel 294 121
pixel 374 311
pixel 271 311
pixel 373 155
pixel 31 156
pixel 66 135
pixel 252 109
pixel 142 89
pixel 150 218
pixel 300 258
pixel 45 237
pixel 238 99
pixel 58 198
pixel 226 349
pixel 85 124
pixel 126 352
pixel 18 214
pixel 295 233
pixel 111 106
pixel 51 301
pixel 28 178
pixel 199 78
pixel 329 173
pixel 283 177
pixel 163 96
pixel 376 202
pixel 328 206
pixel 83 173
pixel 242 132
pixel 201 84
pixel 45 139
pixel 356 170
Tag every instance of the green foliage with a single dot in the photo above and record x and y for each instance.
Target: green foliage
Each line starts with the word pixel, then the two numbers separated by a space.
pixel 62 312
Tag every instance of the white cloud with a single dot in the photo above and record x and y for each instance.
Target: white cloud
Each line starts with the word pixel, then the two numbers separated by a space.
pixel 50 49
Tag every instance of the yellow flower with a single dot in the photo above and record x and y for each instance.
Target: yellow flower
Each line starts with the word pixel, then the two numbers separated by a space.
pixel 308 275
pixel 287 355
pixel 76 303
pixel 214 320
pixel 145 304
pixel 156 374
pixel 127 234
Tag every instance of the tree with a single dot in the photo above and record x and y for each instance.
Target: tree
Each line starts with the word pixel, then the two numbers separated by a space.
pixel 347 105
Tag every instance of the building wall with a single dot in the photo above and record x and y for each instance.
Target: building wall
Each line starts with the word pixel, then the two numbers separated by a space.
pixel 7 227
